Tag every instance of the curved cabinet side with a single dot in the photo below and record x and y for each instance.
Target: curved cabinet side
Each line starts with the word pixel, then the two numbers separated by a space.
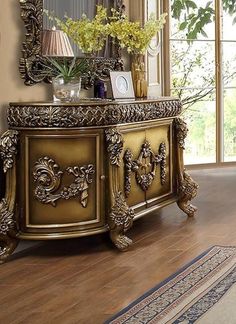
pixel 8 151
pixel 120 218
pixel 186 186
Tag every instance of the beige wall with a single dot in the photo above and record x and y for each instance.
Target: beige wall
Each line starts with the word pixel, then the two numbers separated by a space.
pixel 12 87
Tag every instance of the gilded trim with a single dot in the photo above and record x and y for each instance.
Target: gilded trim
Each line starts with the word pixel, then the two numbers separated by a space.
pixel 98 216
pixel 8 151
pixel 47 176
pixel 62 235
pixel 120 218
pixel 186 186
pixel 144 167
pixel 115 145
pixel 7 222
pixel 187 190
pixel 119 221
pixel 181 132
pixel 79 115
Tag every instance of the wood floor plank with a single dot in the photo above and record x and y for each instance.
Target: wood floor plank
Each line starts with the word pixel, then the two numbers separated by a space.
pixel 85 281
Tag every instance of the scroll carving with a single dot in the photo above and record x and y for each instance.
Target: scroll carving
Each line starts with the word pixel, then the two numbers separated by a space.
pixel 8 142
pixel 186 186
pixel 31 64
pixel 181 132
pixel 120 220
pixel 187 190
pixel 7 221
pixel 47 176
pixel 121 216
pixel 144 167
pixel 115 145
pixel 23 115
pixel 8 151
pixel 8 241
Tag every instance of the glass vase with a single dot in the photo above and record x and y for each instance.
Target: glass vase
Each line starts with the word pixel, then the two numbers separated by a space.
pixel 139 76
pixel 66 90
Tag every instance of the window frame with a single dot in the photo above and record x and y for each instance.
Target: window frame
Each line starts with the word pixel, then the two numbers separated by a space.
pixel 219 87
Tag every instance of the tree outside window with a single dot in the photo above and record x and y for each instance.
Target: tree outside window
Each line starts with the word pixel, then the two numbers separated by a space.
pixel 194 40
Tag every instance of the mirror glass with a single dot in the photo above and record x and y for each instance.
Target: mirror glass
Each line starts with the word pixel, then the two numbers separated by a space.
pixel 75 9
pixel 32 63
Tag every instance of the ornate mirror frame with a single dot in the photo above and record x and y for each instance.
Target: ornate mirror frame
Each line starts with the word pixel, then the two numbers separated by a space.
pixel 32 63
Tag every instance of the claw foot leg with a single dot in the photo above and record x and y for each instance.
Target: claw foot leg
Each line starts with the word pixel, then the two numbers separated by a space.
pixel 187 191
pixel 188 208
pixel 7 246
pixel 120 220
pixel 121 241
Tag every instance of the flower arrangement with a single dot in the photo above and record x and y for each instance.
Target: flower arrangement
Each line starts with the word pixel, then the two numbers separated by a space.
pixel 88 35
pixel 136 39
pixel 91 35
pixel 132 35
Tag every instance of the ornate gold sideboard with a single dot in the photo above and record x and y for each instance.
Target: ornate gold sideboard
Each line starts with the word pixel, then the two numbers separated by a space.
pixel 86 168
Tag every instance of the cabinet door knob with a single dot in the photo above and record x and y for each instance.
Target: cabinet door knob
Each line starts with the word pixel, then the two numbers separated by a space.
pixel 103 177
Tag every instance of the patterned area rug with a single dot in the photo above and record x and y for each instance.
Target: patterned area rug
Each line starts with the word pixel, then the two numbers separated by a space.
pixel 204 291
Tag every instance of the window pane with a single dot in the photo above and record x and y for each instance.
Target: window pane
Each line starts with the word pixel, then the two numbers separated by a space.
pixel 229 64
pixel 230 125
pixel 201 140
pixel 209 29
pixel 228 27
pixel 193 65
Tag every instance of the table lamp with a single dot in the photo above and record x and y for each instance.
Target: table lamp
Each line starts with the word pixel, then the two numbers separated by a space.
pixel 55 43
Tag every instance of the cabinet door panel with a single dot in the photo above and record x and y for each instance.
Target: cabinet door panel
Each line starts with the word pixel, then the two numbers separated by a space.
pixel 133 141
pixel 162 182
pixel 147 169
pixel 63 187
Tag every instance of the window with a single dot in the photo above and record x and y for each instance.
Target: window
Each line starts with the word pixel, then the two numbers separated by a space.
pixel 203 75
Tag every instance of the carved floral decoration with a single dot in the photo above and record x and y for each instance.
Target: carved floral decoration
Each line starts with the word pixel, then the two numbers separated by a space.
pixel 144 167
pixel 47 176
pixel 115 145
pixel 8 142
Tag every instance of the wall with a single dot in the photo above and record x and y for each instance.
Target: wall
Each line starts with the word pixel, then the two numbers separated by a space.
pixel 12 87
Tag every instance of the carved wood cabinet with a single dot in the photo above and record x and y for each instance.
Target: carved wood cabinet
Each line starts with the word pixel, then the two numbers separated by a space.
pixel 80 169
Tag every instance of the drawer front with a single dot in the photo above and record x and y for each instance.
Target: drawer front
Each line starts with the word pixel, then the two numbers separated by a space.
pixel 63 187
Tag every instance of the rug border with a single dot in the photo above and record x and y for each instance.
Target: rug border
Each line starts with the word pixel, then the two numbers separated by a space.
pixel 162 283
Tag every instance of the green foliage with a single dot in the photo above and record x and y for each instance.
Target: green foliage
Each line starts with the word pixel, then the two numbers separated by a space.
pixel 195 63
pixel 88 35
pixel 67 69
pixel 194 18
pixel 193 80
pixel 132 35
pixel 229 6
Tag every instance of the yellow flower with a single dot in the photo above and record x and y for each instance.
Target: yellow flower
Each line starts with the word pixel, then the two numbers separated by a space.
pixel 132 35
pixel 89 35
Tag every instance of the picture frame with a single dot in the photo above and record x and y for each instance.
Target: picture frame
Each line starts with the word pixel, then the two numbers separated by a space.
pixel 122 85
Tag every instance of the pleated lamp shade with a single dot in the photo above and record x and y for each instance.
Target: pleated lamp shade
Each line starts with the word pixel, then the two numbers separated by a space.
pixel 55 43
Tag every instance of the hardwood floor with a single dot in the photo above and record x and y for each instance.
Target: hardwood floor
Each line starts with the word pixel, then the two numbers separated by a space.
pixel 86 280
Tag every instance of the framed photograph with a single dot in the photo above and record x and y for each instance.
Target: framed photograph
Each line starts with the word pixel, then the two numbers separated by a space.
pixel 122 85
